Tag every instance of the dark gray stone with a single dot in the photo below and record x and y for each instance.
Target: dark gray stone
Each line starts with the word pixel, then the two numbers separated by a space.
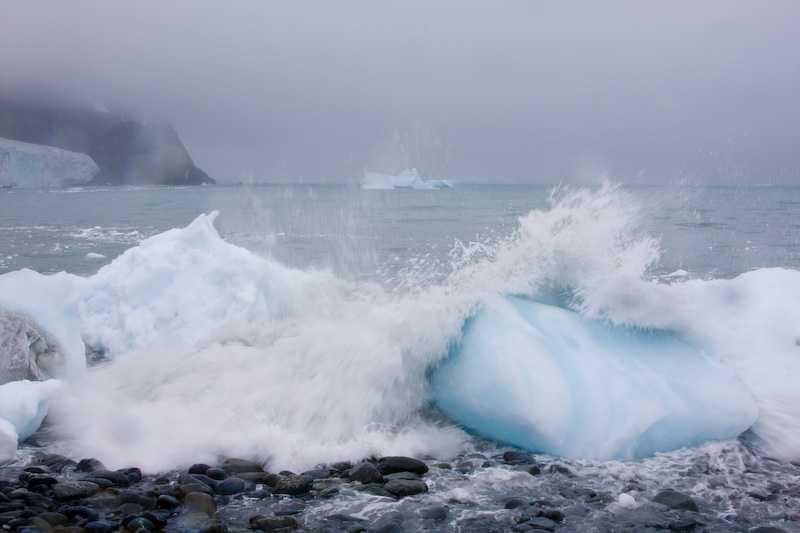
pixel 140 525
pixel 217 474
pixel 165 501
pixel 675 500
pixel 97 527
pixel 198 468
pixel 237 466
pixel 514 503
pixel 272 523
pixel 405 487
pixel 294 485
pixel 213 525
pixel 199 501
pixel 436 514
pixel 683 524
pixel 518 458
pixel 365 473
pixel 89 465
pixel 74 490
pixel 136 496
pixel 392 464
pixel 229 486
pixel 116 478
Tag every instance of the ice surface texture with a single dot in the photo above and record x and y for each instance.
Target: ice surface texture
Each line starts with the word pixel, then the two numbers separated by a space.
pixel 547 380
pixel 33 165
pixel 408 179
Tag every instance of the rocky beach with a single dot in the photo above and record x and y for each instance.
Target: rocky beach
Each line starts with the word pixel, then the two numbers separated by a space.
pixel 727 488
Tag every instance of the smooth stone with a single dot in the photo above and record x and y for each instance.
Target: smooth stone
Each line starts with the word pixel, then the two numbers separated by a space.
pixel 392 464
pixel 165 501
pixel 198 468
pixel 541 522
pixel 229 486
pixel 684 524
pixel 259 477
pixel 199 501
pixel 365 473
pixel 191 488
pixel 217 474
pixel 294 485
pixel 436 514
pixel 186 479
pixel 318 473
pixel 559 469
pixel 405 487
pixel 89 465
pixel 272 523
pixel 213 525
pixel 675 500
pixel 237 466
pixel 140 524
pixel 158 519
pixel 81 510
pixel 401 475
pixel 37 480
pixel 117 478
pixel 134 474
pixel 518 458
pixel 74 490
pixel 341 466
pixel 97 527
pixel 136 496
pixel 131 508
pixel 514 503
pixel 54 519
pixel 38 523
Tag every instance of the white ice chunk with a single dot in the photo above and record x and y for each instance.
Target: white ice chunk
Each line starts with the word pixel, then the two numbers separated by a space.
pixel 408 179
pixel 8 441
pixel 24 404
pixel 547 380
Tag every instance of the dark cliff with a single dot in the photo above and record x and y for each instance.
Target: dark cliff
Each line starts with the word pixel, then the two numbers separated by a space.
pixel 128 152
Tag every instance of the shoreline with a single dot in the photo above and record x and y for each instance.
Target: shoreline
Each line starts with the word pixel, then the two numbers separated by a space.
pixel 509 491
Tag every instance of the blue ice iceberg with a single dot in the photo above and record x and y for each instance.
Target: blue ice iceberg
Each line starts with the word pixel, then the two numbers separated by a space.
pixel 547 380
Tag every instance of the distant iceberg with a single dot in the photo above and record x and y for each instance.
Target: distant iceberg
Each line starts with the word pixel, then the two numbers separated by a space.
pixel 33 165
pixel 408 179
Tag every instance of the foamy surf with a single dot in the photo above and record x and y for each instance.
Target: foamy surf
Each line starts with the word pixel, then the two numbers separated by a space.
pixel 213 351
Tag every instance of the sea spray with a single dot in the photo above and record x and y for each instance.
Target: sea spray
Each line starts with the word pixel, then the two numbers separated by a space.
pixel 215 351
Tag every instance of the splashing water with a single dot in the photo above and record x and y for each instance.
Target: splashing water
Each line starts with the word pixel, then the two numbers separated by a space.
pixel 215 351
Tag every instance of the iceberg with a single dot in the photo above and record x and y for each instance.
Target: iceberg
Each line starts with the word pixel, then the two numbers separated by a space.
pixel 23 406
pixel 33 165
pixel 548 380
pixel 408 179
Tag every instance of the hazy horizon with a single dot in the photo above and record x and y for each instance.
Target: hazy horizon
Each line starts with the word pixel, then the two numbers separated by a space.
pixel 501 92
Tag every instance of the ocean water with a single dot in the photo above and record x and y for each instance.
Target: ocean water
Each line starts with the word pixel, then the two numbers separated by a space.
pixel 301 325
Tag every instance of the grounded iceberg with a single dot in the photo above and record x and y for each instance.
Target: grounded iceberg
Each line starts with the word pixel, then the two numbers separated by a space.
pixel 408 179
pixel 548 380
pixel 32 165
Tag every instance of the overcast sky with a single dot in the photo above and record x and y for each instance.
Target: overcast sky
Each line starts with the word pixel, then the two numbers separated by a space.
pixel 505 91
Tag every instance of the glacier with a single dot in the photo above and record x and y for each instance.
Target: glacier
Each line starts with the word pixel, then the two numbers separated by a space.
pixel 33 165
pixel 408 179
pixel 548 380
